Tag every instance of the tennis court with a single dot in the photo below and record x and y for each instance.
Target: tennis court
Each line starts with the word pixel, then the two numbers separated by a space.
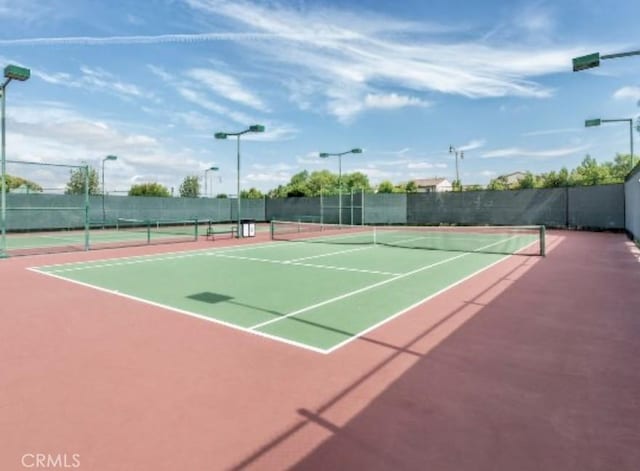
pixel 314 286
pixel 118 233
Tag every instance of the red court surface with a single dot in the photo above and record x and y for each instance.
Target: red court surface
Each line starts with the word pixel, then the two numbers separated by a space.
pixel 531 365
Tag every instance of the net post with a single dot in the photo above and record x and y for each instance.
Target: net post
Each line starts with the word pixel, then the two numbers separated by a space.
pixel 375 238
pixel 362 206
pixel 271 229
pixel 86 207
pixel 148 232
pixel 543 248
pixel 321 205
pixel 196 230
pixel 351 221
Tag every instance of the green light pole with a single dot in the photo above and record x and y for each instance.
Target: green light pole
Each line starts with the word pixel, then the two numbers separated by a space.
pixel 325 155
pixel 11 72
pixel 210 169
pixel 108 157
pixel 453 150
pixel 596 122
pixel 223 135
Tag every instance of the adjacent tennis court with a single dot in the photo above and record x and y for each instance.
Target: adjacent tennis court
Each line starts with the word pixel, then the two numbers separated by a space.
pixel 315 286
pixel 118 233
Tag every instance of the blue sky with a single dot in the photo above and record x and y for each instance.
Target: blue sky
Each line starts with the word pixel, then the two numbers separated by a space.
pixel 152 81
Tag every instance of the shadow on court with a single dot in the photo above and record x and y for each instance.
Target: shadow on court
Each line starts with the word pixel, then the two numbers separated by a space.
pixel 542 377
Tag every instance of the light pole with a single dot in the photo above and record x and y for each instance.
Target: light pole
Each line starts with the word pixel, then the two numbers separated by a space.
pixel 453 150
pixel 214 169
pixel 11 72
pixel 593 60
pixel 596 122
pixel 224 135
pixel 108 157
pixel 325 155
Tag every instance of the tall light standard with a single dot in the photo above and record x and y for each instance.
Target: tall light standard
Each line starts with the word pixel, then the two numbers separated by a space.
pixel 11 72
pixel 325 155
pixel 596 122
pixel 214 169
pixel 453 150
pixel 108 157
pixel 593 60
pixel 224 135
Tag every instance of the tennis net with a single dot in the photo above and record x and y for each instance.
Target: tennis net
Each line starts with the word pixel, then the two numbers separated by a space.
pixel 521 240
pixel 159 230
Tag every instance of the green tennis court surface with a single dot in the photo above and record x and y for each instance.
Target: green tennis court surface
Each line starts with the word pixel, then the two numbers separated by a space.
pixel 319 292
pixel 123 233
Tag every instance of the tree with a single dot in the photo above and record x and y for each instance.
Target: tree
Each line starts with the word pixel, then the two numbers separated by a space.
pixel 75 185
pixel 556 180
pixel 355 181
pixel 298 185
pixel 385 187
pixel 528 181
pixel 322 181
pixel 251 194
pixel 222 196
pixel 18 182
pixel 620 167
pixel 411 187
pixel 499 183
pixel 590 173
pixel 279 192
pixel 473 188
pixel 148 189
pixel 456 185
pixel 190 187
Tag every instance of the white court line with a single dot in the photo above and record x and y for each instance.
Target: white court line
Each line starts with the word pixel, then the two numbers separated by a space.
pixel 329 254
pixel 250 329
pixel 184 312
pixel 367 288
pixel 311 265
pixel 399 313
pixel 88 264
pixel 431 296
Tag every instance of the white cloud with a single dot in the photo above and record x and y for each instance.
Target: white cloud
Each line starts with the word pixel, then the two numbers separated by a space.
pixel 227 87
pixel 420 165
pixel 391 101
pixel 277 177
pixel 94 79
pixel 54 133
pixel 474 144
pixel 627 93
pixel 547 132
pixel 338 50
pixel 542 154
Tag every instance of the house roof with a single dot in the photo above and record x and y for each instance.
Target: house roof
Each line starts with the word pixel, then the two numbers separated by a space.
pixel 513 174
pixel 429 181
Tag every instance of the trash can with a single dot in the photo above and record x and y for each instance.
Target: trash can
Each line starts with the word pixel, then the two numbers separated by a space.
pixel 248 227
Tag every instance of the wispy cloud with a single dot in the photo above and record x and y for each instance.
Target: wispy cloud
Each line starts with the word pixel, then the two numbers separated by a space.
pixel 346 55
pixel 94 79
pixel 425 165
pixel 227 87
pixel 472 145
pixel 540 154
pixel 392 101
pixel 547 132
pixel 627 93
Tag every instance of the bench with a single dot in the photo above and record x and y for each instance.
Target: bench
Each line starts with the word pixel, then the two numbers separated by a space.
pixel 213 231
